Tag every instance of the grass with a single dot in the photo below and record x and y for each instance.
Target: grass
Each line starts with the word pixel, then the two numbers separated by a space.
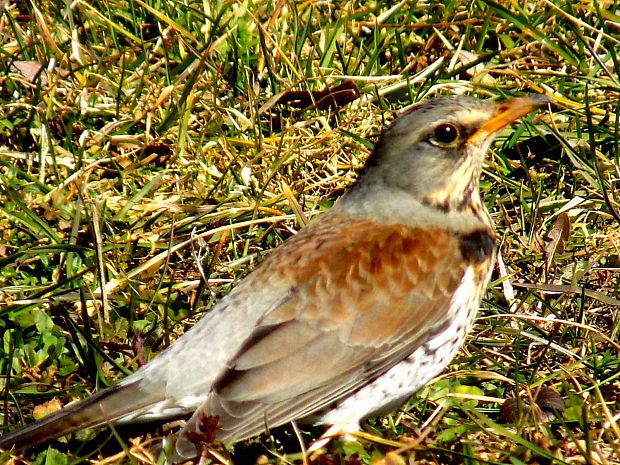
pixel 142 151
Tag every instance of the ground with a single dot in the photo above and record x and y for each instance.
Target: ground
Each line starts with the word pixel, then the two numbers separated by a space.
pixel 152 152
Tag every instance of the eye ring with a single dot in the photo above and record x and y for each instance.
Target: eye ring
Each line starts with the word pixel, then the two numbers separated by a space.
pixel 445 134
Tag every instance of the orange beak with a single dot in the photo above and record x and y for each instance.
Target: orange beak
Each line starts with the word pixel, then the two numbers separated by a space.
pixel 508 112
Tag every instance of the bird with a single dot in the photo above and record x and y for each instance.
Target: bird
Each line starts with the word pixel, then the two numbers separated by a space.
pixel 346 319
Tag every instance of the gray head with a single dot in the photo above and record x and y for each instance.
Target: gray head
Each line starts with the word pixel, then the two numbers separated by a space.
pixel 434 151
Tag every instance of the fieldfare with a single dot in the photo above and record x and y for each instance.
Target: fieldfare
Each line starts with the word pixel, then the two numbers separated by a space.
pixel 348 318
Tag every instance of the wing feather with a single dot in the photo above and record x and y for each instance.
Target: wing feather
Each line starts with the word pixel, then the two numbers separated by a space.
pixel 355 309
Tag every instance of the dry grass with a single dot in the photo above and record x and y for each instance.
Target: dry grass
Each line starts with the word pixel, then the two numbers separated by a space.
pixel 141 148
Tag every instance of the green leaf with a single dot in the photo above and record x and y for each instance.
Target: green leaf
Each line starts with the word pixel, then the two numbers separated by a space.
pixel 51 457
pixel 43 322
pixel 453 433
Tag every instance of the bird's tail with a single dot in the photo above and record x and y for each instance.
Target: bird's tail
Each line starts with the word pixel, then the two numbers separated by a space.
pixel 104 407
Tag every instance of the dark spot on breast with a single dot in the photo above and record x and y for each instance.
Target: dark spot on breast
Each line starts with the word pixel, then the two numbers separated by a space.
pixel 478 245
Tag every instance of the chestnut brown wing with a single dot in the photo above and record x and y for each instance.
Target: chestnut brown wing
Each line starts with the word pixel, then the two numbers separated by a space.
pixel 364 297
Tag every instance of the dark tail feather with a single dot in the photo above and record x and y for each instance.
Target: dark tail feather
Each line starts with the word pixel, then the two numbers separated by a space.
pixel 102 408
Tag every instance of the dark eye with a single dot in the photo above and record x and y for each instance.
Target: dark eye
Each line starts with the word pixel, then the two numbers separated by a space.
pixel 445 133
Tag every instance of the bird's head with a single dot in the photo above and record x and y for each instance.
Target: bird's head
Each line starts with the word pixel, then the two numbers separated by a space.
pixel 434 151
